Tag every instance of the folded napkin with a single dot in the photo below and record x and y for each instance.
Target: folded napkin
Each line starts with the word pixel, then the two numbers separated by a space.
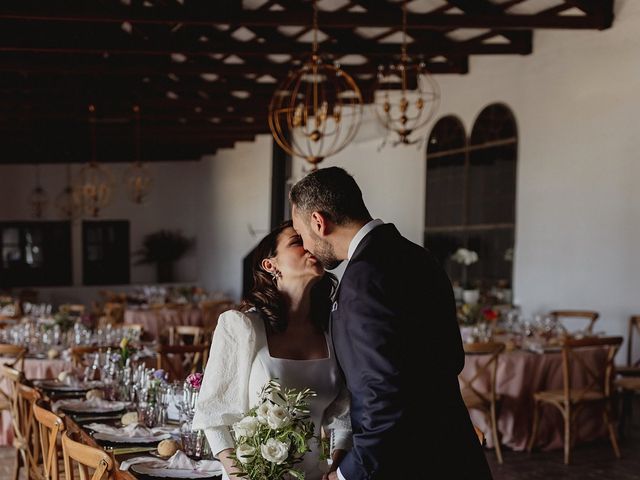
pixel 133 430
pixel 87 405
pixel 179 461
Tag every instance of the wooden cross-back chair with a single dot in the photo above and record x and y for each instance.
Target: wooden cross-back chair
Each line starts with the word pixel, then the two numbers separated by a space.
pixel 78 354
pixel 181 360
pixel 87 458
pixel 589 317
pixel 49 427
pixel 74 310
pixel 112 314
pixel 15 378
pixel 27 440
pixel 15 352
pixel 629 381
pixel 16 355
pixel 571 399
pixel 186 335
pixel 484 399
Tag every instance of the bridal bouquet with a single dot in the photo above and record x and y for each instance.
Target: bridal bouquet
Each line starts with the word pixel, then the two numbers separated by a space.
pixel 274 436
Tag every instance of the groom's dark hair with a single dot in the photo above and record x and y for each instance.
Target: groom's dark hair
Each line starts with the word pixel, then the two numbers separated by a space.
pixel 332 192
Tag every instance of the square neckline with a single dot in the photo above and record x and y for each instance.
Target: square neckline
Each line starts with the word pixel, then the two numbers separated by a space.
pixel 326 341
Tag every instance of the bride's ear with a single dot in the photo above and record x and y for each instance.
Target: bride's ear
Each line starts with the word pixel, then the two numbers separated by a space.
pixel 268 265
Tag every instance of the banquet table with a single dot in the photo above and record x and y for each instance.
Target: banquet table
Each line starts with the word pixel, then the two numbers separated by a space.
pixel 156 321
pixel 520 374
pixel 34 368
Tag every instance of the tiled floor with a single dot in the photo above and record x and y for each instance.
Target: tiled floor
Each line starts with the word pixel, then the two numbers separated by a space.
pixel 593 461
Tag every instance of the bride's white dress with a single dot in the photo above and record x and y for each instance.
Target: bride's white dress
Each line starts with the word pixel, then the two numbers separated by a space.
pixel 240 364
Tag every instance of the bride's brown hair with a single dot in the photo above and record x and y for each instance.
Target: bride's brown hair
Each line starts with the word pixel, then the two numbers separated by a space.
pixel 266 298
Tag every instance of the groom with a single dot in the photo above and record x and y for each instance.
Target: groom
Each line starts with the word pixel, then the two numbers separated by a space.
pixel 396 339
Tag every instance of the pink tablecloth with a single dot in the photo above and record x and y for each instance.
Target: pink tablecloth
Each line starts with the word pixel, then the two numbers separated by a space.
pixel 33 369
pixel 521 374
pixel 156 322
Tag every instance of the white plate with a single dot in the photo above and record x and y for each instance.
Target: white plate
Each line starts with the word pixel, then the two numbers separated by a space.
pixel 173 472
pixel 84 406
pixel 63 387
pixel 109 437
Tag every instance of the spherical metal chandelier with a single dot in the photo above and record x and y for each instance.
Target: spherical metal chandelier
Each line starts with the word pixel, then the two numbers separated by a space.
pixel 66 202
pixel 406 97
pixel 38 198
pixel 137 177
pixel 94 185
pixel 316 111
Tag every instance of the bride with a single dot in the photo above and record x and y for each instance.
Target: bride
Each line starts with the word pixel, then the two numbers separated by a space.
pixel 280 333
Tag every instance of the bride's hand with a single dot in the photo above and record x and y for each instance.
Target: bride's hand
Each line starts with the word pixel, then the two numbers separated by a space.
pixel 330 476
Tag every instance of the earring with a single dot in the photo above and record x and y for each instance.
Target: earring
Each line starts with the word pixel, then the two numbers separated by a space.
pixel 276 275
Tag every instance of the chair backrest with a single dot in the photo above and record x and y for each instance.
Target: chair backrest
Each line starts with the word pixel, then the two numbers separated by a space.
pixel 114 312
pixel 78 354
pixel 49 426
pixel 588 316
pixel 634 328
pixel 488 367
pixel 598 380
pixel 74 310
pixel 27 434
pixel 86 458
pixel 181 360
pixel 14 377
pixel 186 335
pixel 14 351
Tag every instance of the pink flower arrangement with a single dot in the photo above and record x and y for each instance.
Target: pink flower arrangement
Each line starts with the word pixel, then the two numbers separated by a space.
pixel 194 380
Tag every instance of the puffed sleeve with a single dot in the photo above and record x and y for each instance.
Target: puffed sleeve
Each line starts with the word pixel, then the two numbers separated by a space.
pixel 223 397
pixel 337 420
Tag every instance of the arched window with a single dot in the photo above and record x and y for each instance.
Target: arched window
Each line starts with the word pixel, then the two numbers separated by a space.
pixel 470 199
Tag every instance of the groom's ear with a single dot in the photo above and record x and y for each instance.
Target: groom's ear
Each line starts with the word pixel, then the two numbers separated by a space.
pixel 320 225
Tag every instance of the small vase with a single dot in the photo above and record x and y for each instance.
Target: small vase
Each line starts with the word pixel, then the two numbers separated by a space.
pixel 471 296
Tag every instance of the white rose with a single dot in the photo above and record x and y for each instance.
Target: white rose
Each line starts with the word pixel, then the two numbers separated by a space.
pixel 263 412
pixel 278 417
pixel 244 453
pixel 246 427
pixel 274 451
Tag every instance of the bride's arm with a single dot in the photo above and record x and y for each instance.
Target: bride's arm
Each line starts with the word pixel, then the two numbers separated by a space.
pixel 228 463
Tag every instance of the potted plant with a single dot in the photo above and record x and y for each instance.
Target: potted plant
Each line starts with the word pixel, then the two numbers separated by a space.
pixel 163 248
pixel 466 258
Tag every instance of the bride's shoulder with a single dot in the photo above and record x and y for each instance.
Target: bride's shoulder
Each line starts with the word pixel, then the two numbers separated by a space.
pixel 236 320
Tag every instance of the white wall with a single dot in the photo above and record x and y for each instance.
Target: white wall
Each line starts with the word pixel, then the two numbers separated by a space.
pixel 235 189
pixel 576 102
pixel 172 204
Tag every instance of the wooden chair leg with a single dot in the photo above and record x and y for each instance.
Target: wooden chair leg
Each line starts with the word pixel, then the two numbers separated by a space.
pixel 494 433
pixel 534 427
pixel 612 432
pixel 625 412
pixel 16 465
pixel 567 435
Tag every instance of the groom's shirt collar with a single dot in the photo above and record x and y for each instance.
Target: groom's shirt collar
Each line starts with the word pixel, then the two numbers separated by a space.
pixel 355 241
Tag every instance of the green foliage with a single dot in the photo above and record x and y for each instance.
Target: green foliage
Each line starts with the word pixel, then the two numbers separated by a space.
pixel 163 246
pixel 288 407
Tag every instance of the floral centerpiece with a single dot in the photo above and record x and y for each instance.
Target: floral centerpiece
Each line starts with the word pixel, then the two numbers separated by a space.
pixel 274 436
pixel 465 258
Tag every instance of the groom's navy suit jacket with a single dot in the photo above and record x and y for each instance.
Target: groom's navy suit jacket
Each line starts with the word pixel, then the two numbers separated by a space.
pixel 397 341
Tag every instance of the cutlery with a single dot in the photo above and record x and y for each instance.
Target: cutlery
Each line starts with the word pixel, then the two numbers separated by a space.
pixel 124 450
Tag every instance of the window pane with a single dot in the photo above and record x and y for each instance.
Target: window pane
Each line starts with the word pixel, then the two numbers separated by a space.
pixel 492 183
pixel 447 134
pixel 10 236
pixel 496 122
pixel 495 257
pixel 11 257
pixel 443 245
pixel 445 191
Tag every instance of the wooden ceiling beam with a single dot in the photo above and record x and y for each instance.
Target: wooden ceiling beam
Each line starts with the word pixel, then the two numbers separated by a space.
pixel 42 11
pixel 29 40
